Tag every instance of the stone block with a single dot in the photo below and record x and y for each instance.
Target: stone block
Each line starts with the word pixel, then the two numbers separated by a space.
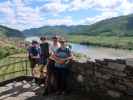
pixel 130 91
pixel 128 83
pixel 114 94
pixel 129 62
pixel 121 87
pixel 89 72
pixel 120 74
pixel 80 78
pixel 103 76
pixel 121 61
pixel 116 66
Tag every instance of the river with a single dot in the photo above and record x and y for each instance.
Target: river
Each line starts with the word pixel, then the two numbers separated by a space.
pixel 94 52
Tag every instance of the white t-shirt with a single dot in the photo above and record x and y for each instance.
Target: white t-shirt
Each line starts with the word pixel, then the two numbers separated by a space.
pixel 53 47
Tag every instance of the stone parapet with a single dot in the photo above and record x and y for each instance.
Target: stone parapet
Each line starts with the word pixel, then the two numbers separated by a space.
pixel 113 77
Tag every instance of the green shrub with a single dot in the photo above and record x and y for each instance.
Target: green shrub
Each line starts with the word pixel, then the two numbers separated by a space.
pixel 9 50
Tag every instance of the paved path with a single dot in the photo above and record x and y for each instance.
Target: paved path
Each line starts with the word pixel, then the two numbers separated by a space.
pixel 25 91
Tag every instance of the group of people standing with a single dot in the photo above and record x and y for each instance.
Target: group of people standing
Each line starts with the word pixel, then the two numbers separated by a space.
pixel 56 57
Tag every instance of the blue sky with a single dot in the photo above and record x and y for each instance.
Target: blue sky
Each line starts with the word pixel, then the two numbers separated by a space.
pixel 25 14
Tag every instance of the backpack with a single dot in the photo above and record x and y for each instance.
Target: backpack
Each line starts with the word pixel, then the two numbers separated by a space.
pixel 44 50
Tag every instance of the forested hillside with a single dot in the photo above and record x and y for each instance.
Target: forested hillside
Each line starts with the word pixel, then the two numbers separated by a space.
pixel 118 26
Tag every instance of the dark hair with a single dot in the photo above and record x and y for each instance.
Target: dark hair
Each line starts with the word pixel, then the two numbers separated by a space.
pixel 55 37
pixel 62 40
pixel 43 38
pixel 34 42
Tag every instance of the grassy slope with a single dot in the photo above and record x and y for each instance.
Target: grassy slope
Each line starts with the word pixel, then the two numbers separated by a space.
pixel 118 26
pixel 6 68
pixel 9 41
pixel 9 46
pixel 105 41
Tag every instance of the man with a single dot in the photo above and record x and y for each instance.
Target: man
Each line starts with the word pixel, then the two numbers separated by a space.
pixel 44 47
pixel 44 54
pixel 62 57
pixel 34 55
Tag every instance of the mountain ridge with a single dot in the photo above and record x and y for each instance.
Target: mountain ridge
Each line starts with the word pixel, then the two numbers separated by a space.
pixel 9 32
pixel 116 26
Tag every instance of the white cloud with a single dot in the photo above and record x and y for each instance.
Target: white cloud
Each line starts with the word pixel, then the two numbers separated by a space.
pixel 121 6
pixel 19 15
pixel 58 6
pixel 107 8
pixel 80 4
pixel 66 0
pixel 6 9
pixel 97 4
pixel 126 7
pixel 54 6
pixel 64 21
pixel 104 15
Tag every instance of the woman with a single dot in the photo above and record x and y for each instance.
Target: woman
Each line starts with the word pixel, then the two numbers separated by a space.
pixel 62 57
pixel 44 55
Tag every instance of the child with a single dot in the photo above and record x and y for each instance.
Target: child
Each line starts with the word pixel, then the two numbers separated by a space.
pixel 34 55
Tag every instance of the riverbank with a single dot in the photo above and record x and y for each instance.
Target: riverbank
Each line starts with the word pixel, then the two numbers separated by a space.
pixel 103 41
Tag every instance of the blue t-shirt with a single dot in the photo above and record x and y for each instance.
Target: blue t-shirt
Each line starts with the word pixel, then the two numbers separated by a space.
pixel 34 51
pixel 62 53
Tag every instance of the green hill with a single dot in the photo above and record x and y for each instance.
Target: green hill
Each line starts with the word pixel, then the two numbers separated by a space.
pixel 62 30
pixel 8 32
pixel 118 26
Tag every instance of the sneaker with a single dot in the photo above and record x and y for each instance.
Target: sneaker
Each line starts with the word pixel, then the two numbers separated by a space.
pixel 63 93
pixel 45 93
pixel 33 81
pixel 58 93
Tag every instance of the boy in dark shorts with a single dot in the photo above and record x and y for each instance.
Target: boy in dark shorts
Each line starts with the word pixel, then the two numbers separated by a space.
pixel 34 55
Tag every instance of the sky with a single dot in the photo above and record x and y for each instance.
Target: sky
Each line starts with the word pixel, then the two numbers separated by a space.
pixel 25 14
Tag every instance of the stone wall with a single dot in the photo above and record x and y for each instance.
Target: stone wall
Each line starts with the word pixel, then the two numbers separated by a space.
pixel 106 77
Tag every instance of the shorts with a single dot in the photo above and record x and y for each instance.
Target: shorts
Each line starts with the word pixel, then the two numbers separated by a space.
pixel 33 62
pixel 51 65
pixel 43 61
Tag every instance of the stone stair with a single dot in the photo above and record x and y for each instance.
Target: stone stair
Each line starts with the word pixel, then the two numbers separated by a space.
pixel 26 91
pixel 17 91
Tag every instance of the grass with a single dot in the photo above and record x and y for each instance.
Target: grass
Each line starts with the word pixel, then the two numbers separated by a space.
pixel 13 58
pixel 10 46
pixel 79 56
pixel 103 41
pixel 7 66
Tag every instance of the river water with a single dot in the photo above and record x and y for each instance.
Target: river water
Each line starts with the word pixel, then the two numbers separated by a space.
pixel 94 52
